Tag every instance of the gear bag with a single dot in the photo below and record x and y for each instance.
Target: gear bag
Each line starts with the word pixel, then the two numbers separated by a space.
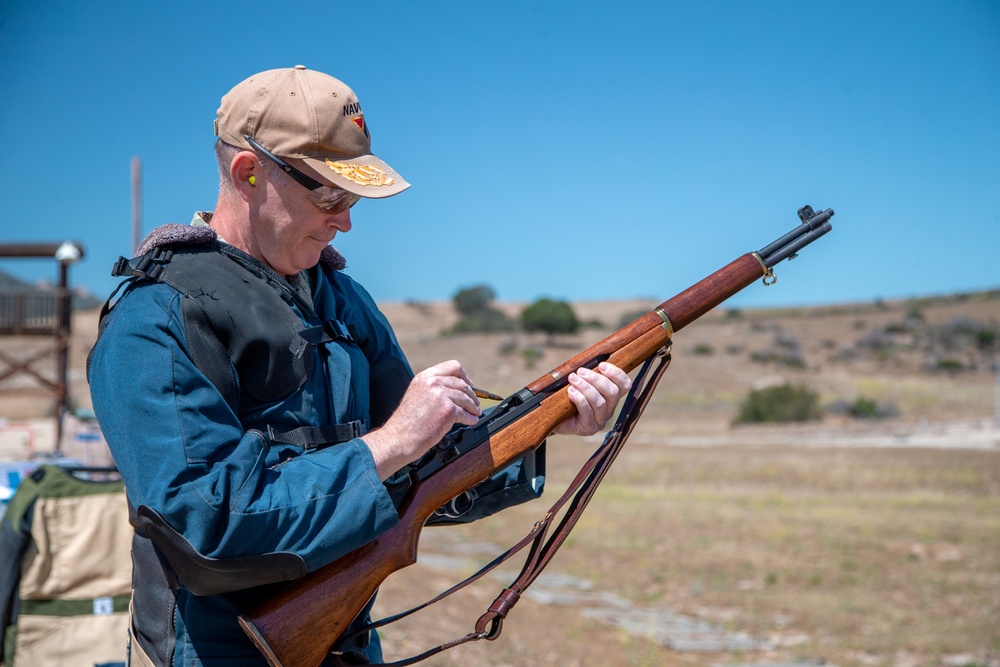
pixel 65 571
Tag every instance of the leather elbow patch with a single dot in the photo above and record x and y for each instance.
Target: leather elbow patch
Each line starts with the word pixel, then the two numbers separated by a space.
pixel 203 575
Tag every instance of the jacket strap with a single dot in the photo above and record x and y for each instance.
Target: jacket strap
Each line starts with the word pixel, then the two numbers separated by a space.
pixel 317 437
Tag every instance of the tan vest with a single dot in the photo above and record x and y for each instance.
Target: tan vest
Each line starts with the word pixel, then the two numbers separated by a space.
pixel 75 579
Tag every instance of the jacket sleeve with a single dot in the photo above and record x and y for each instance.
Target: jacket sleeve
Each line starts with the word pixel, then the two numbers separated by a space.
pixel 15 529
pixel 184 453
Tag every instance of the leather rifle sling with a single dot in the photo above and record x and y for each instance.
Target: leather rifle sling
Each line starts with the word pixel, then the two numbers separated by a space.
pixel 581 490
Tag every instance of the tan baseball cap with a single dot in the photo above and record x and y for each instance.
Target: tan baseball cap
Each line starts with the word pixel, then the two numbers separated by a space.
pixel 314 122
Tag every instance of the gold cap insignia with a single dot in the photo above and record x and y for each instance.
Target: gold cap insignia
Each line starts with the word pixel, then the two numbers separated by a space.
pixel 362 174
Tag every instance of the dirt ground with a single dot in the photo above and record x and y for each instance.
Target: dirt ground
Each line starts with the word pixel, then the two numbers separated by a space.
pixel 850 541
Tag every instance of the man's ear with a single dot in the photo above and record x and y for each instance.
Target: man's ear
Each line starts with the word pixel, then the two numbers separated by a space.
pixel 247 174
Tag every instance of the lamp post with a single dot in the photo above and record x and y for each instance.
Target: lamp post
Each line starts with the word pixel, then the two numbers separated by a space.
pixel 66 254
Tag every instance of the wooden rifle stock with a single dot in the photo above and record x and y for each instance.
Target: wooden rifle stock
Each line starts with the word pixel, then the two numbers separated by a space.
pixel 298 626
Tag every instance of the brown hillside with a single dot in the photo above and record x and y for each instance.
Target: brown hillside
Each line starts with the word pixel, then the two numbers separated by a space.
pixel 928 360
pixel 925 360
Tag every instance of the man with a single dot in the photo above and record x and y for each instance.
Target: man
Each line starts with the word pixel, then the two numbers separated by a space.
pixel 255 399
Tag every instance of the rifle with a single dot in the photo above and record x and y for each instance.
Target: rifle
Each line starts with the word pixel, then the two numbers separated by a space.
pixel 300 623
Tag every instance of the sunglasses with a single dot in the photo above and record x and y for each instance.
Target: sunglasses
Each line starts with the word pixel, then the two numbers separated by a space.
pixel 305 181
pixel 342 198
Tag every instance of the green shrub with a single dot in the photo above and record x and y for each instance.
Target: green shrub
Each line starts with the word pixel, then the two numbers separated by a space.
pixel 472 300
pixel 551 317
pixel 986 339
pixel 915 314
pixel 531 356
pixel 771 357
pixel 950 365
pixel 485 321
pixel 898 327
pixel 475 306
pixel 863 408
pixel 779 404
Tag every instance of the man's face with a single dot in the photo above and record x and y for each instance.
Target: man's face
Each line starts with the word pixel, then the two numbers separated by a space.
pixel 293 225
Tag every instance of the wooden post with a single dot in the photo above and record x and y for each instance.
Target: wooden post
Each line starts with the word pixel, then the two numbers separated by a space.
pixel 136 203
pixel 59 326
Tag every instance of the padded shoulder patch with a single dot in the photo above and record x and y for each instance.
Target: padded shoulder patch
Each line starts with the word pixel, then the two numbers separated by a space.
pixel 239 325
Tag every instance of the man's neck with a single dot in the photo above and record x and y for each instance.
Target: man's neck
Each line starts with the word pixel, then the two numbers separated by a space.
pixel 229 223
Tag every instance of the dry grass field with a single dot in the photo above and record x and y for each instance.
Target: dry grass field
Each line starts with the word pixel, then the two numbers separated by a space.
pixel 842 542
pixel 845 541
pixel 852 556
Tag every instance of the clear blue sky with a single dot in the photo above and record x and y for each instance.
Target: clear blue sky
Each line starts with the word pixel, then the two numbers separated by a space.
pixel 577 150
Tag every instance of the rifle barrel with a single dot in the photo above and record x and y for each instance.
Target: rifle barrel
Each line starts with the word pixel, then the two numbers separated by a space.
pixel 809 224
pixel 790 250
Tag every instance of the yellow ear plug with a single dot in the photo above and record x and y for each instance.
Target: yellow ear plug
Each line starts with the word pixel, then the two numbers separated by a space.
pixel 252 180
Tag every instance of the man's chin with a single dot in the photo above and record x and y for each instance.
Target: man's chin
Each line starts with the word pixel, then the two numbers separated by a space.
pixel 304 261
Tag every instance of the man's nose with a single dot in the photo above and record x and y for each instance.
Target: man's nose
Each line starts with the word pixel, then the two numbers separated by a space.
pixel 341 222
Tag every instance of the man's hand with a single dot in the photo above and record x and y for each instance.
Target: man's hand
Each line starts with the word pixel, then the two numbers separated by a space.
pixel 595 395
pixel 437 399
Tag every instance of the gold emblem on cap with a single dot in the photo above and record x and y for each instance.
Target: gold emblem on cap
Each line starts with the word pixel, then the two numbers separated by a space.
pixel 362 174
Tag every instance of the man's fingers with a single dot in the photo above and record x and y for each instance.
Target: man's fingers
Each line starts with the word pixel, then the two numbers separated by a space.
pixel 586 419
pixel 459 390
pixel 601 393
pixel 450 381
pixel 465 399
pixel 450 368
pixel 595 394
pixel 616 375
pixel 594 387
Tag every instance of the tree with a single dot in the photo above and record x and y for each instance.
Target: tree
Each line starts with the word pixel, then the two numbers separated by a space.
pixel 472 300
pixel 551 317
pixel 477 314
